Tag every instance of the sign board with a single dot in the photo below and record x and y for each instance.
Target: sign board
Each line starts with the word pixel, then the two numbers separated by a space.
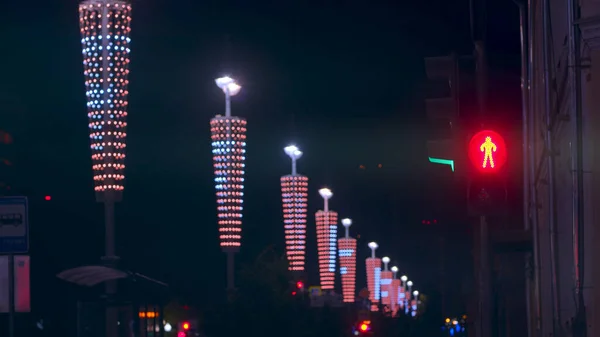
pixel 315 291
pixel 21 274
pixel 14 225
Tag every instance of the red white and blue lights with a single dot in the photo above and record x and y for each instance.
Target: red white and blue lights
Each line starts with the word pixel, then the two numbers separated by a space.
pixel 105 27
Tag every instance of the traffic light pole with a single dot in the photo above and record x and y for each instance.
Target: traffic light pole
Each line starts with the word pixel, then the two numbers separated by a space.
pixel 484 279
pixel 484 308
pixel 230 270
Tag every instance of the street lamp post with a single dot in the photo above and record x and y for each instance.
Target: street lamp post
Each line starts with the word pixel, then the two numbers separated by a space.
pixel 395 288
pixel 347 253
pixel 386 283
pixel 373 265
pixel 228 136
pixel 294 195
pixel 326 221
pixel 105 26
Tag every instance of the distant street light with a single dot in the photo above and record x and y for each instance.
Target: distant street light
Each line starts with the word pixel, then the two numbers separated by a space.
pixel 373 266
pixel 294 197
pixel 326 221
pixel 347 253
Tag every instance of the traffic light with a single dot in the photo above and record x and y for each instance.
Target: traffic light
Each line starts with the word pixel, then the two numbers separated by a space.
pixel 297 287
pixel 443 109
pixel 486 192
pixel 187 329
pixel 362 328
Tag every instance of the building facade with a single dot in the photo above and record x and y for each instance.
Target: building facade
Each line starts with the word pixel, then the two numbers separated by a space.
pixel 562 165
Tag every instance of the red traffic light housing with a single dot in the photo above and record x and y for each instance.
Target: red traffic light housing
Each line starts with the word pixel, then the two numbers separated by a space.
pixel 300 285
pixel 487 151
pixel 487 194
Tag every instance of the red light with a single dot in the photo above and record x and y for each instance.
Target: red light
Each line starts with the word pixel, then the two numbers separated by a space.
pixel 364 327
pixel 181 334
pixel 487 151
pixel 299 285
pixel 47 198
pixel 293 293
pixel 186 326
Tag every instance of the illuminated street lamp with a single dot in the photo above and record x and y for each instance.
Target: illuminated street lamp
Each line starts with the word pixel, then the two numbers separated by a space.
pixel 415 303
pixel 408 289
pixel 228 136
pixel 230 88
pixel 402 291
pixel 373 265
pixel 105 26
pixel 347 252
pixel 394 289
pixel 294 195
pixel 326 221
pixel 386 282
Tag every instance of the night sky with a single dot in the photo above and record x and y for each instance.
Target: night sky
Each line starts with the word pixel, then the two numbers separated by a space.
pixel 342 80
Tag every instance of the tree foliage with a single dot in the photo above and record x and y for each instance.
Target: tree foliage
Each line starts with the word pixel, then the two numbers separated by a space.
pixel 263 305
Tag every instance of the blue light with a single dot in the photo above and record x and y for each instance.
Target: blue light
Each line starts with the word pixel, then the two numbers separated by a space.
pixel 377 283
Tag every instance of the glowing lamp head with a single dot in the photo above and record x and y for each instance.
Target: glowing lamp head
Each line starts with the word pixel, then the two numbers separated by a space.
pixel 409 283
pixel 385 261
pixel 415 293
pixel 364 326
pixel 228 85
pixel 403 278
pixel 293 152
pixel 373 246
pixel 185 326
pixel 326 193
pixel 394 269
pixel 299 285
pixel 346 222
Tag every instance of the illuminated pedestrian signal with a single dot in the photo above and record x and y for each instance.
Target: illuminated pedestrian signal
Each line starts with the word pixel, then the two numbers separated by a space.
pixel 487 151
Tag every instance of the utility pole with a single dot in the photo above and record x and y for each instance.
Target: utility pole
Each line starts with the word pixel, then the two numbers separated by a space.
pixel 478 34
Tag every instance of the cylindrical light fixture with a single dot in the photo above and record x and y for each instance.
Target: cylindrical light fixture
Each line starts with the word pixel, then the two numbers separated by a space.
pixel 373 266
pixel 326 221
pixel 347 252
pixel 294 195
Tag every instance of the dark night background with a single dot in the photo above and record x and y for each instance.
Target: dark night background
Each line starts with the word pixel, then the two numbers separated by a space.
pixel 342 80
